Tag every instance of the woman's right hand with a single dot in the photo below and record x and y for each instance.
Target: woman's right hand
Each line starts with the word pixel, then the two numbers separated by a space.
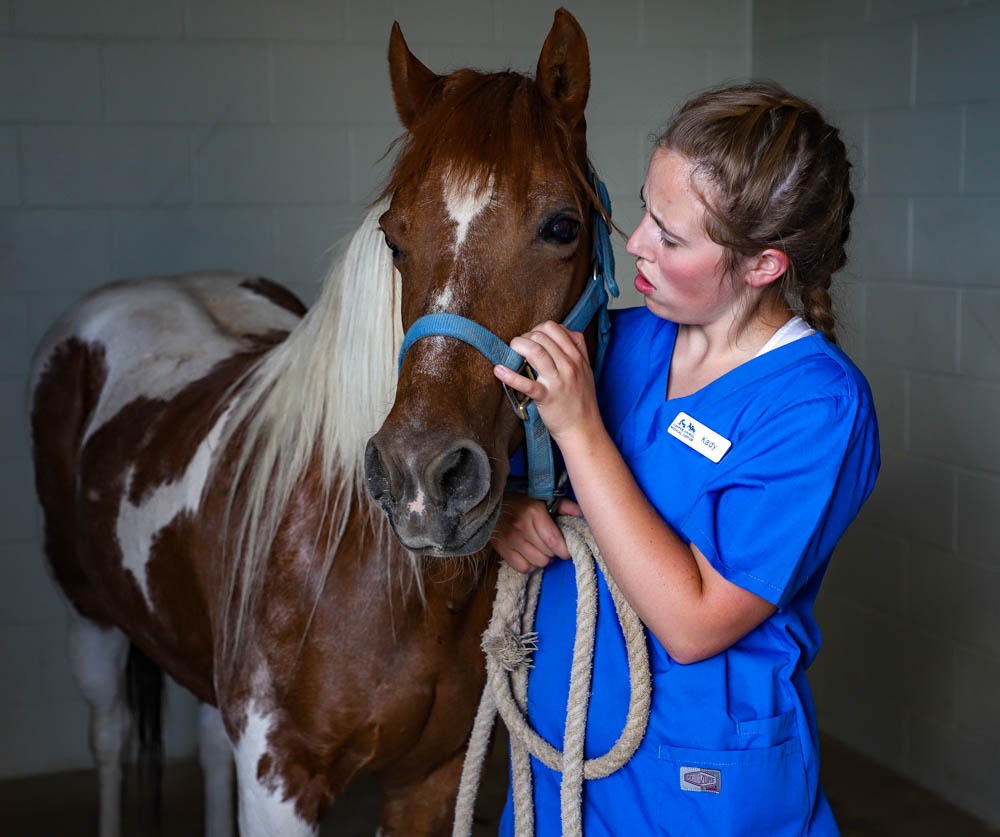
pixel 526 536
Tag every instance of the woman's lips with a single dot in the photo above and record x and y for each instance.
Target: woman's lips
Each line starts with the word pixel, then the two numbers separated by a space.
pixel 642 285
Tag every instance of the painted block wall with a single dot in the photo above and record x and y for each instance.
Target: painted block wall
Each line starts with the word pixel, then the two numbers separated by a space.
pixel 156 136
pixel 910 671
pixel 163 135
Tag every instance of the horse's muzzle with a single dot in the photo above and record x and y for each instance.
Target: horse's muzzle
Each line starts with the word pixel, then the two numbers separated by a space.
pixel 436 497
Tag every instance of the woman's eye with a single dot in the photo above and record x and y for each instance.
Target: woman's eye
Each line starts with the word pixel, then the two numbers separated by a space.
pixel 562 229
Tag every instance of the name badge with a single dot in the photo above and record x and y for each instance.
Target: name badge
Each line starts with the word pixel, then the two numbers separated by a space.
pixel 698 437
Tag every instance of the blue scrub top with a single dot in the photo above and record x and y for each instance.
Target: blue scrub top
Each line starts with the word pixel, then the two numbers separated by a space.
pixel 732 743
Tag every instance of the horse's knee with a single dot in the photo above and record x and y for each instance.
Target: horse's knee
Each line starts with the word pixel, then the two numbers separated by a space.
pixel 98 656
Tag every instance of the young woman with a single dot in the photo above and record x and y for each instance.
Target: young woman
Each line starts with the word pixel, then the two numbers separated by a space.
pixel 725 451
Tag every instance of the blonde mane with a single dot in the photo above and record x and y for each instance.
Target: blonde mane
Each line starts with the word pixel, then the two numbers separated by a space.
pixel 314 399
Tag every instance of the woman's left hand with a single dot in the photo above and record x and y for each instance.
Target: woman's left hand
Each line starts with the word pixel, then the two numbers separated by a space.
pixel 564 387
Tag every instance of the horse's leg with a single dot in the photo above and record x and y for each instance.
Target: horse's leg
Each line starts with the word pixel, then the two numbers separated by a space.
pixel 263 813
pixel 98 656
pixel 215 753
pixel 426 807
pixel 263 809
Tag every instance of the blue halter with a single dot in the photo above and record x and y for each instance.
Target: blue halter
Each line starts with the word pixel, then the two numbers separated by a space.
pixel 594 300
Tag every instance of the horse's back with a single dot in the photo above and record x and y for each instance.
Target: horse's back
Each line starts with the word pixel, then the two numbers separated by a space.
pixel 166 331
pixel 127 407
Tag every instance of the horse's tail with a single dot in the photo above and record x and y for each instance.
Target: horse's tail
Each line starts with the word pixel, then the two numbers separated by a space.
pixel 144 684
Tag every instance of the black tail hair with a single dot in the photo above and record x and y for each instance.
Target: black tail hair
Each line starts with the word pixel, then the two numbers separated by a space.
pixel 144 684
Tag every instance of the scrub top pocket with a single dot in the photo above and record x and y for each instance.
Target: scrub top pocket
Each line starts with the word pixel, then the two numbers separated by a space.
pixel 733 792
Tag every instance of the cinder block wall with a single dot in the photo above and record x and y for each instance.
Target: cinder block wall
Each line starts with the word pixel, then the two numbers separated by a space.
pixel 910 671
pixel 164 135
pixel 155 136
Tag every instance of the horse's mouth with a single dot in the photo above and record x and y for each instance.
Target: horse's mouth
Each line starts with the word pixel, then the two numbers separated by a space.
pixel 456 543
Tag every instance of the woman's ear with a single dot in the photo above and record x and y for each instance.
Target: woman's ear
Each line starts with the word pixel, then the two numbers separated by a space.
pixel 766 267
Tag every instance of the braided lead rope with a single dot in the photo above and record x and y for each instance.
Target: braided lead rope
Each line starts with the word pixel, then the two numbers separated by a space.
pixel 517 684
pixel 507 645
pixel 509 642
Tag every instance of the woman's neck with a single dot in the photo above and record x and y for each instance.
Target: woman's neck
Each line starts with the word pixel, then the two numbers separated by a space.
pixel 704 353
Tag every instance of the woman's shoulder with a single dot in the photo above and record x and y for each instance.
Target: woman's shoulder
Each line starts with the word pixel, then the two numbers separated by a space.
pixel 830 369
pixel 813 378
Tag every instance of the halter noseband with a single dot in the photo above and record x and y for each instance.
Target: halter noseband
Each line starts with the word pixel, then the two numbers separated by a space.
pixel 594 300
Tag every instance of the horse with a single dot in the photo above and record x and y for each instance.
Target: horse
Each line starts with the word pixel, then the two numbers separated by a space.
pixel 211 498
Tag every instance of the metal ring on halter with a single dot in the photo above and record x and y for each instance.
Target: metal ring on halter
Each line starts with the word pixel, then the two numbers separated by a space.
pixel 558 493
pixel 518 400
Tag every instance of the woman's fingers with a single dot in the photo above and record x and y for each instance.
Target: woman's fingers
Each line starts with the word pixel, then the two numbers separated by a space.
pixel 549 346
pixel 522 384
pixel 551 350
pixel 571 344
pixel 526 537
pixel 568 507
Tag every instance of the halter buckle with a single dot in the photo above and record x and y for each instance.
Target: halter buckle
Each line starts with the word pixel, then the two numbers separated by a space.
pixel 518 400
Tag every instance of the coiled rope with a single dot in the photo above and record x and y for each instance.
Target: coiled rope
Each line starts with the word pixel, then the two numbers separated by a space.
pixel 509 642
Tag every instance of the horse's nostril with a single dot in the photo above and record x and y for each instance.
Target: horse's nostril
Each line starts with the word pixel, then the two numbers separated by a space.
pixel 376 475
pixel 458 476
pixel 461 477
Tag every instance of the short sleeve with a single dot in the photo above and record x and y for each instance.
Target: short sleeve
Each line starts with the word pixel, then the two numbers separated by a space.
pixel 769 517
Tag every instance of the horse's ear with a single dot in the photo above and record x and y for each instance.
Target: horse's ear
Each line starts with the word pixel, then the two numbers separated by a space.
pixel 412 82
pixel 563 73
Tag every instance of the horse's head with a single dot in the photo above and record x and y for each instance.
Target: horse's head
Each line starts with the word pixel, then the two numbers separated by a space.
pixel 490 219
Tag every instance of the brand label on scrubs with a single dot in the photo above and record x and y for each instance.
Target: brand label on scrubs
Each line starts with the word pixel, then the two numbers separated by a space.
pixel 698 437
pixel 701 780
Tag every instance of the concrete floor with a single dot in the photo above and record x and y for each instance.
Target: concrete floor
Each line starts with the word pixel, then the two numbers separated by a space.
pixel 867 799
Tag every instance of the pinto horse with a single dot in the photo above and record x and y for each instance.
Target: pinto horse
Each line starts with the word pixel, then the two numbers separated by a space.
pixel 200 451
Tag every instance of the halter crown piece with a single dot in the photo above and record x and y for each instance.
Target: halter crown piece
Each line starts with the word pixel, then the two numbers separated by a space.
pixel 601 287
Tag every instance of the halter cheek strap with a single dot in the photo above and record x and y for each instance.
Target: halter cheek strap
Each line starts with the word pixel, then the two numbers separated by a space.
pixel 594 300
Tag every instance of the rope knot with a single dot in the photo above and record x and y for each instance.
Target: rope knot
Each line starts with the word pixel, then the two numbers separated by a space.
pixel 508 649
pixel 508 658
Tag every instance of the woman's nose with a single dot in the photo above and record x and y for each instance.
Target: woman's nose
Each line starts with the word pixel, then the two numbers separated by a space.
pixel 635 243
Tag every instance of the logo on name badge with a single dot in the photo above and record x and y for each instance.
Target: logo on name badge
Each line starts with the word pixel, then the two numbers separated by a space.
pixel 701 780
pixel 698 437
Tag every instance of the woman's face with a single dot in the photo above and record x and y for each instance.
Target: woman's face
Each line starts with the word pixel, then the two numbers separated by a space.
pixel 680 269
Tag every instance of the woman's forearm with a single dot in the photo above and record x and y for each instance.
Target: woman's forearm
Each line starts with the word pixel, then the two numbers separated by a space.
pixel 689 607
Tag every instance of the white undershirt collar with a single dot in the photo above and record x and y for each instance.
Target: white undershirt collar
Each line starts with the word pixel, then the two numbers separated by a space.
pixel 791 331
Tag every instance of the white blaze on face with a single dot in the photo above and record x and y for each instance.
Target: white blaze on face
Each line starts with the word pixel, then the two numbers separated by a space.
pixel 263 808
pixel 138 525
pixel 464 202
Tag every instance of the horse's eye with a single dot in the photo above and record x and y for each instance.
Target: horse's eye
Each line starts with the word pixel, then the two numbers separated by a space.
pixel 563 229
pixel 393 248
